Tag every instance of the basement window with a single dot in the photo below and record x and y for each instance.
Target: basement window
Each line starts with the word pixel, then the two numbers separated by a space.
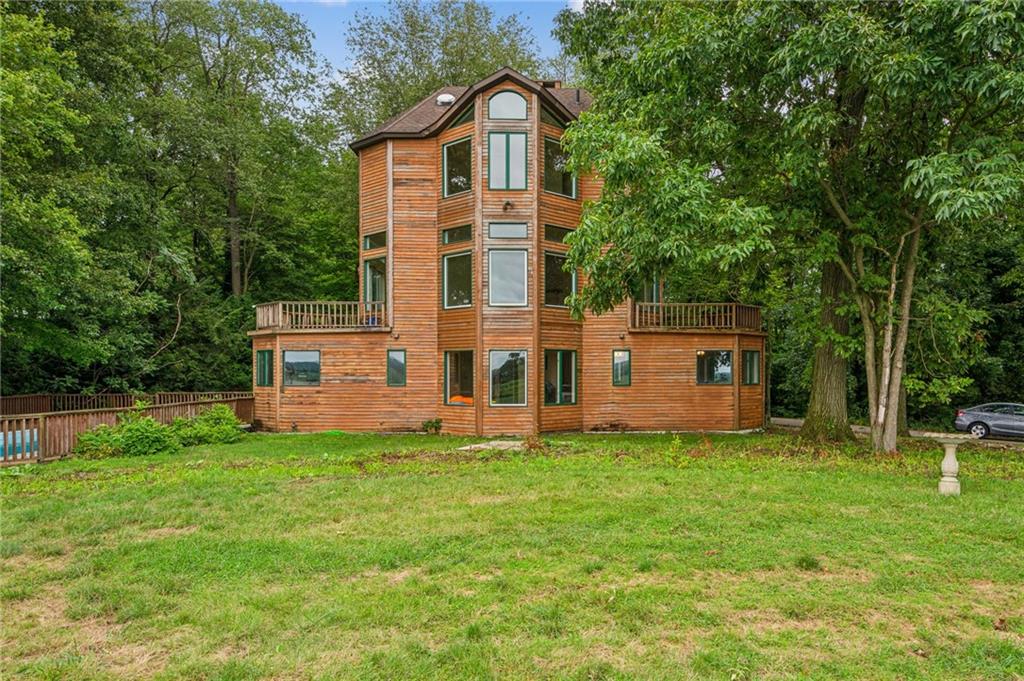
pixel 714 367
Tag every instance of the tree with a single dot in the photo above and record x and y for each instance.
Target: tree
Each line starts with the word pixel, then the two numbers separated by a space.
pixel 417 47
pixel 874 131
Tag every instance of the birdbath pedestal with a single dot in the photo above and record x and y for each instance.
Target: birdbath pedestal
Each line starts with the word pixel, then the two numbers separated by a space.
pixel 948 483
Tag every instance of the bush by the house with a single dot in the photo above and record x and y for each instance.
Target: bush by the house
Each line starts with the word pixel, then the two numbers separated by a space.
pixel 139 435
pixel 217 425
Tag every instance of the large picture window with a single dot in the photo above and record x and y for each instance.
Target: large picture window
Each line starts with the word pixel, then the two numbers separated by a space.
pixel 508 377
pixel 559 377
pixel 714 367
pixel 396 367
pixel 751 367
pixel 458 378
pixel 507 105
pixel 622 369
pixel 375 278
pixel 556 178
pixel 457 166
pixel 301 367
pixel 506 160
pixel 264 368
pixel 507 278
pixel 558 284
pixel 457 276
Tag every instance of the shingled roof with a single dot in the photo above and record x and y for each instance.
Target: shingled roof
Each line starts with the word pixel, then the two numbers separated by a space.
pixel 427 118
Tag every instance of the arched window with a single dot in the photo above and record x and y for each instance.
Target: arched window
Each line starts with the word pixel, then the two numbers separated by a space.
pixel 507 105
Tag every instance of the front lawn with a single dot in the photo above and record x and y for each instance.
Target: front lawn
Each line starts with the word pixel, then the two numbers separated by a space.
pixel 595 556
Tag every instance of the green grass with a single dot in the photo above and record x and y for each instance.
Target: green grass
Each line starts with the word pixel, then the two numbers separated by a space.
pixel 593 557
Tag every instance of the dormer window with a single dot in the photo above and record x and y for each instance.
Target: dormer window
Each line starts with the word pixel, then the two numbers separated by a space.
pixel 507 106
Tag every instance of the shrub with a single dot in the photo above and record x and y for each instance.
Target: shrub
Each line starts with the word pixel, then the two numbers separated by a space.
pixel 143 435
pixel 217 425
pixel 99 443
pixel 432 426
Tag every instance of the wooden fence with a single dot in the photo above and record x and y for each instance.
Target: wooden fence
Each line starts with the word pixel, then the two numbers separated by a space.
pixel 11 405
pixel 40 437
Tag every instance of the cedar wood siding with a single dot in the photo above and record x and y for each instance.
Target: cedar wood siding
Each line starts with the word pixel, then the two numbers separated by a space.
pixel 400 191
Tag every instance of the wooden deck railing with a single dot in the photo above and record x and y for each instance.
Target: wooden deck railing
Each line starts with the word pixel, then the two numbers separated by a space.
pixel 39 437
pixel 47 402
pixel 731 316
pixel 320 315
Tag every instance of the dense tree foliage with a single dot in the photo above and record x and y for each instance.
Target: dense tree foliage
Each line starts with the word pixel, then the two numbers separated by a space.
pixel 876 138
pixel 168 164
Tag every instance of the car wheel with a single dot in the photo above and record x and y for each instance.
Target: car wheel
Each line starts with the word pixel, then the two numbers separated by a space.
pixel 978 429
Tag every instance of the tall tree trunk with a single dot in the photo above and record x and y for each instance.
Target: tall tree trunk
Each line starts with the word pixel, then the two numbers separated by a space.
pixel 902 429
pixel 827 418
pixel 234 231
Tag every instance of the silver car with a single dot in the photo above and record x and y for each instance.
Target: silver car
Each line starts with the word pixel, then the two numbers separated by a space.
pixel 995 418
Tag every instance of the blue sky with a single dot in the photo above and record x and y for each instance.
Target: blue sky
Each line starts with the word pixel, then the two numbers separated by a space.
pixel 329 18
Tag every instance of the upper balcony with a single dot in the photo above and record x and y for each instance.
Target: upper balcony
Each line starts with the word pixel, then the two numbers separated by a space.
pixel 321 316
pixel 695 317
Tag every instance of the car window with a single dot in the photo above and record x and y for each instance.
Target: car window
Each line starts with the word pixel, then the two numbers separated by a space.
pixel 1001 409
pixel 1019 410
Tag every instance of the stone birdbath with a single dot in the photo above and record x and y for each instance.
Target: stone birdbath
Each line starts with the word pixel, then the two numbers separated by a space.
pixel 949 485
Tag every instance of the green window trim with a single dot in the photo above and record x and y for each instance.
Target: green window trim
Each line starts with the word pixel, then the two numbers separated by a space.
pixel 560 355
pixel 702 371
pixel 444 167
pixel 556 234
pixel 444 280
pixel 751 367
pixel 572 194
pixel 508 160
pixel 564 257
pixel 395 382
pixel 622 378
pixel 292 383
pixel 491 386
pixel 366 279
pixel 465 117
pixel 455 235
pixel 369 239
pixel 526 106
pixel 547 116
pixel 264 368
pixel 447 366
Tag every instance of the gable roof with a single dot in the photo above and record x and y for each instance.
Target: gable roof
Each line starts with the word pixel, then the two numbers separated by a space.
pixel 427 118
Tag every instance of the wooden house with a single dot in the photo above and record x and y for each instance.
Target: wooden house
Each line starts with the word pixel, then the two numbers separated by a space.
pixel 463 213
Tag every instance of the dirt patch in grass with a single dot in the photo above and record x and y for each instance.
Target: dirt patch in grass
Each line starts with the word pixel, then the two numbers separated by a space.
pixel 42 620
pixel 164 532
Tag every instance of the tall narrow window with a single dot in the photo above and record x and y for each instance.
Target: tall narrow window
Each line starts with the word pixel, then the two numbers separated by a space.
pixel 559 377
pixel 301 367
pixel 264 368
pixel 457 166
pixel 556 178
pixel 457 276
pixel 558 284
pixel 508 377
pixel 751 367
pixel 507 105
pixel 506 160
pixel 714 367
pixel 458 378
pixel 396 367
pixel 506 274
pixel 375 280
pixel 622 370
